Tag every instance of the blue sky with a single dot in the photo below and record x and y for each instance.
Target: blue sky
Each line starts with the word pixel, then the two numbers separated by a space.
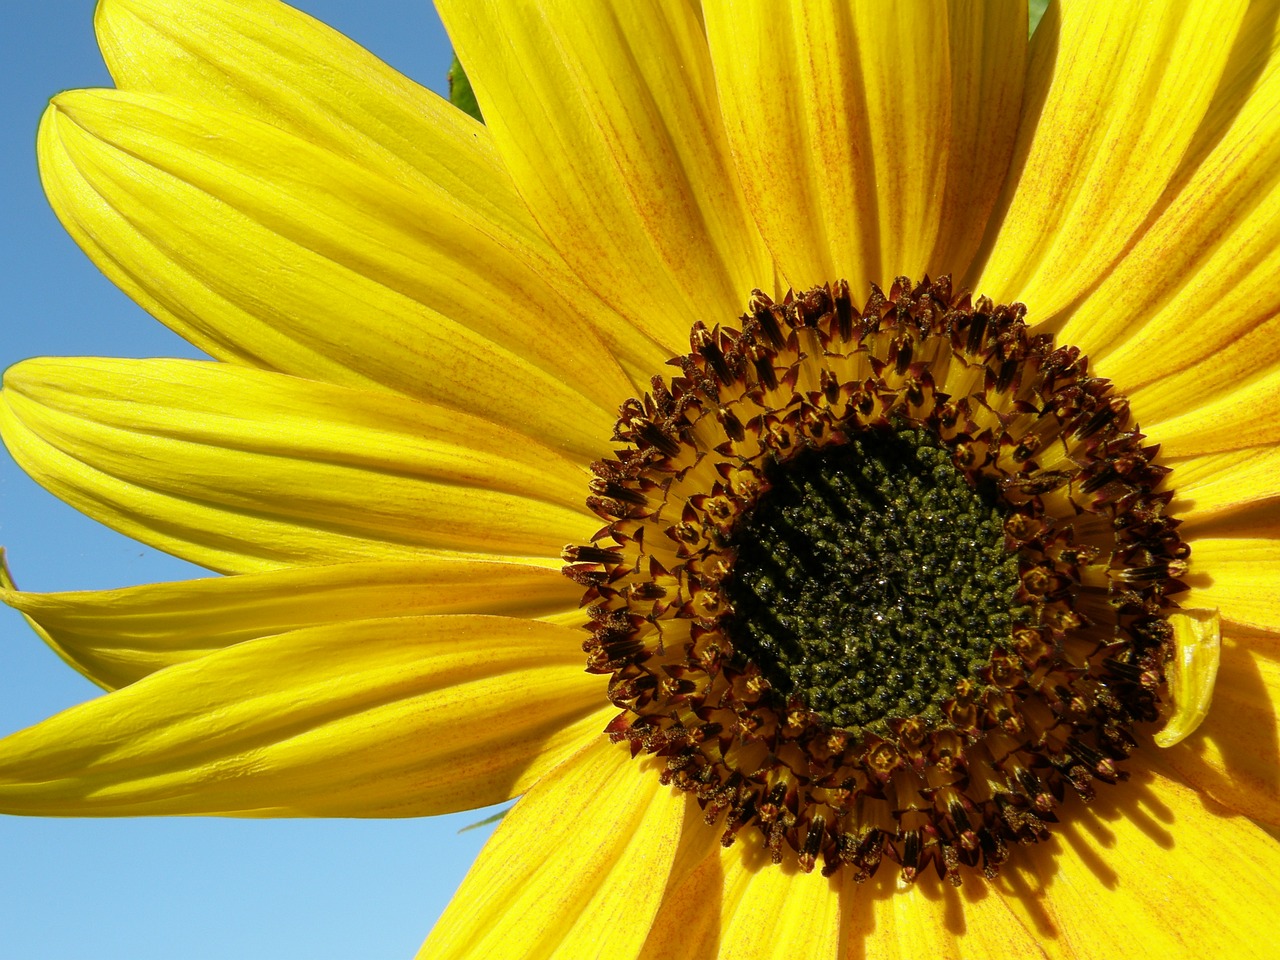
pixel 163 888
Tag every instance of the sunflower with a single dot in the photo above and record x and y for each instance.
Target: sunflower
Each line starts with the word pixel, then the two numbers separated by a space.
pixel 644 453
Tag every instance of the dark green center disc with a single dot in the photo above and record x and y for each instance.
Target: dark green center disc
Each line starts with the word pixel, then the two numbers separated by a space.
pixel 871 578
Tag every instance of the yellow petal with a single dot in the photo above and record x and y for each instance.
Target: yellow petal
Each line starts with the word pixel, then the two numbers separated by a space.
pixel 888 920
pixel 1249 70
pixel 758 911
pixel 687 925
pixel 262 248
pixel 1213 250
pixel 576 869
pixel 1238 577
pixel 115 637
pixel 244 470
pixel 1115 94
pixel 1225 414
pixel 731 905
pixel 265 60
pixel 607 118
pixel 988 69
pixel 1191 673
pixel 1151 863
pixel 871 139
pixel 1215 483
pixel 1235 755
pixel 409 716
pixel 1253 521
pixel 777 911
pixel 1225 388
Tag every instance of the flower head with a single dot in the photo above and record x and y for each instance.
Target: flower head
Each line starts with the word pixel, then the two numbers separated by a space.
pixel 884 583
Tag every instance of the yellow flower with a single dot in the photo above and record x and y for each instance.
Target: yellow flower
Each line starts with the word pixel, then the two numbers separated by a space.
pixel 426 329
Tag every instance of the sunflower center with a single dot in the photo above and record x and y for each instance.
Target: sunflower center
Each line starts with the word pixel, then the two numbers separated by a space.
pixel 871 579
pixel 881 583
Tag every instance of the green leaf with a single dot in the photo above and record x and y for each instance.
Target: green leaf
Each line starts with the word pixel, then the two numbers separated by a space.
pixel 460 92
pixel 1035 10
pixel 487 820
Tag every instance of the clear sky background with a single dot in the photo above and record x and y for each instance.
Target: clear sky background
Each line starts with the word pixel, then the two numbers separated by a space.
pixel 189 888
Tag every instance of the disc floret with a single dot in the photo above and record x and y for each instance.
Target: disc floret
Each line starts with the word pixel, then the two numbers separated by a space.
pixel 1072 567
